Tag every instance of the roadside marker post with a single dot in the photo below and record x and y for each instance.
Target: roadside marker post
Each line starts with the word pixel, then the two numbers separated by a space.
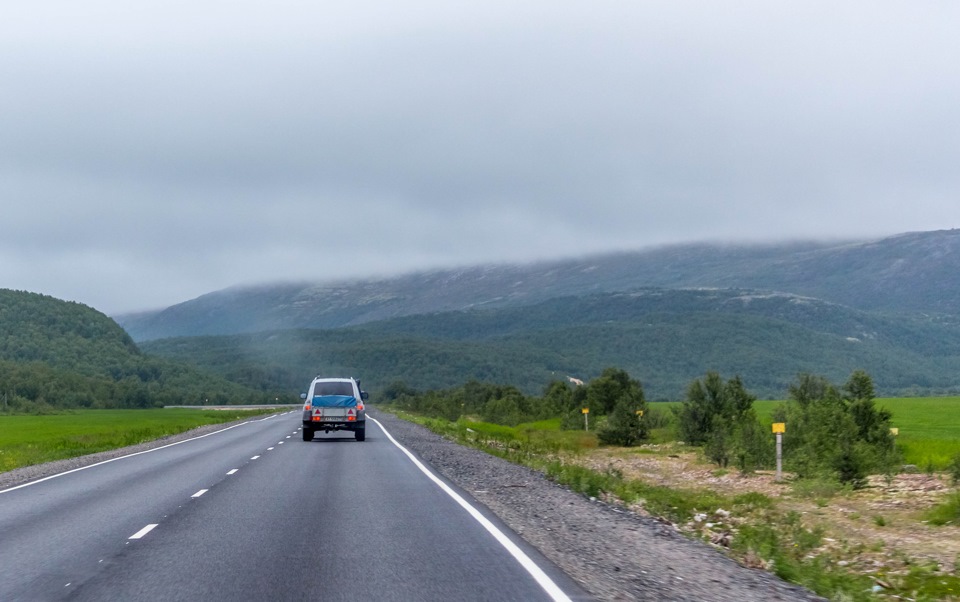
pixel 586 419
pixel 779 428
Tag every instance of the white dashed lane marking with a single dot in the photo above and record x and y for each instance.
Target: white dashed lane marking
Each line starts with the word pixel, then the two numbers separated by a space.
pixel 142 532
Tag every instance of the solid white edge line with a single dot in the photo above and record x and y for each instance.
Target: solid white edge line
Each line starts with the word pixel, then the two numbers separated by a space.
pixel 199 493
pixel 146 451
pixel 542 579
pixel 142 532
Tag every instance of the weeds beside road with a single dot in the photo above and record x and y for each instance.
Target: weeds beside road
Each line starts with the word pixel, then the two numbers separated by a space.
pixel 873 544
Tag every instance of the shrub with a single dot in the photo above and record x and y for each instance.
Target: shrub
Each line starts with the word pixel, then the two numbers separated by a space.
pixel 623 425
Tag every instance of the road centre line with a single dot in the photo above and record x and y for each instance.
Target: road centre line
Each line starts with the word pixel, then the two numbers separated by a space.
pixel 199 493
pixel 233 471
pixel 142 532
pixel 254 458
pixel 146 451
pixel 542 579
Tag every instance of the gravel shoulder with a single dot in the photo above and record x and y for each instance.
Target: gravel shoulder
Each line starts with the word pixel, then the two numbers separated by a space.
pixel 614 554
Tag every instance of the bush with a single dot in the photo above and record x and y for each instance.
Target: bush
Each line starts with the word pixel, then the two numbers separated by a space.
pixel 753 446
pixel 623 425
pixel 707 400
pixel 572 420
pixel 843 437
pixel 850 467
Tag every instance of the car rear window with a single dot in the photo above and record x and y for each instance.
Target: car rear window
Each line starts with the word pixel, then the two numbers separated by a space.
pixel 333 388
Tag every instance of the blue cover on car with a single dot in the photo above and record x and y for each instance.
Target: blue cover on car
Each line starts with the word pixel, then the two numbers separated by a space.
pixel 334 401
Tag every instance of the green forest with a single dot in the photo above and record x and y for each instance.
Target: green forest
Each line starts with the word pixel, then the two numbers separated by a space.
pixel 664 338
pixel 56 354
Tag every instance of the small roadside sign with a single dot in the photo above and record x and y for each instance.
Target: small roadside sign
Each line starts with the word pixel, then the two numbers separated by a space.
pixel 894 431
pixel 779 428
pixel 586 410
pixel 639 412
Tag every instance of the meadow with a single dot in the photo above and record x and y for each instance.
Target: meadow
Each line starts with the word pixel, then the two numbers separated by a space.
pixel 34 439
pixel 929 427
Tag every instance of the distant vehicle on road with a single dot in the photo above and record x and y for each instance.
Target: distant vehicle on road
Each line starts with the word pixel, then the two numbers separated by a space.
pixel 334 404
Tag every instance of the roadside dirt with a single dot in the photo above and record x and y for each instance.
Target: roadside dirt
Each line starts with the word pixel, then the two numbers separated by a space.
pixel 876 530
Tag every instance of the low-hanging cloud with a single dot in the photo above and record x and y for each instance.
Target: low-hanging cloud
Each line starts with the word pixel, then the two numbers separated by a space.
pixel 151 152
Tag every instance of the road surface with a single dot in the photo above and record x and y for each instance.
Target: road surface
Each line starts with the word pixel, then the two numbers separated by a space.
pixel 252 512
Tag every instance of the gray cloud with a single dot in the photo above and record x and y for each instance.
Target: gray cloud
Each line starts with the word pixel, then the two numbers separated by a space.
pixel 153 152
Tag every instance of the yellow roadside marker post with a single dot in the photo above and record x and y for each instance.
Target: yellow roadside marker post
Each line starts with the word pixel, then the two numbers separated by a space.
pixel 779 428
pixel 586 420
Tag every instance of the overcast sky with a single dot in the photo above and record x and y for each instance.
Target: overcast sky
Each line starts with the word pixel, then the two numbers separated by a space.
pixel 153 151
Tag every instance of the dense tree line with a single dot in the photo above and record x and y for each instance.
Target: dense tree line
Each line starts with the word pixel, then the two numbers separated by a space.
pixel 614 399
pixel 39 387
pixel 530 347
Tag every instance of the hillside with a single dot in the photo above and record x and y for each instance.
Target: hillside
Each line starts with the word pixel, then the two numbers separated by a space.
pixel 38 328
pixel 58 354
pixel 910 272
pixel 663 337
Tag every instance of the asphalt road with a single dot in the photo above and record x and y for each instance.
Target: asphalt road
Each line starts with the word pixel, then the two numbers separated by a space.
pixel 252 512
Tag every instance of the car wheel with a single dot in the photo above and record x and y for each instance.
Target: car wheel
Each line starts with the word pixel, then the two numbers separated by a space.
pixel 307 434
pixel 360 434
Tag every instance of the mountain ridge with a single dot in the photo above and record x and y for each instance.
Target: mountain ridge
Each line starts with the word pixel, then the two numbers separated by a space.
pixel 664 337
pixel 907 272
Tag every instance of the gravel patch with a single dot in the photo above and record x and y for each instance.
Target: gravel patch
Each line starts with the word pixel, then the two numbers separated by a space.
pixel 613 553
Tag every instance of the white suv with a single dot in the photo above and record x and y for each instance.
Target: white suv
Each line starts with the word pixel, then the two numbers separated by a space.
pixel 334 404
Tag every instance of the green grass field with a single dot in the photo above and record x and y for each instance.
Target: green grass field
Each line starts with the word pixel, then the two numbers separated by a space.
pixel 28 439
pixel 929 427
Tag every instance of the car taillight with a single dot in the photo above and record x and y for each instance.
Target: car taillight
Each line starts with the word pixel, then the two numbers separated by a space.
pixel 306 407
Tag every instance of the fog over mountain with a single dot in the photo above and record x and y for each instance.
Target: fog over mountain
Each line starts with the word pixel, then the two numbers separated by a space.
pixel 910 272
